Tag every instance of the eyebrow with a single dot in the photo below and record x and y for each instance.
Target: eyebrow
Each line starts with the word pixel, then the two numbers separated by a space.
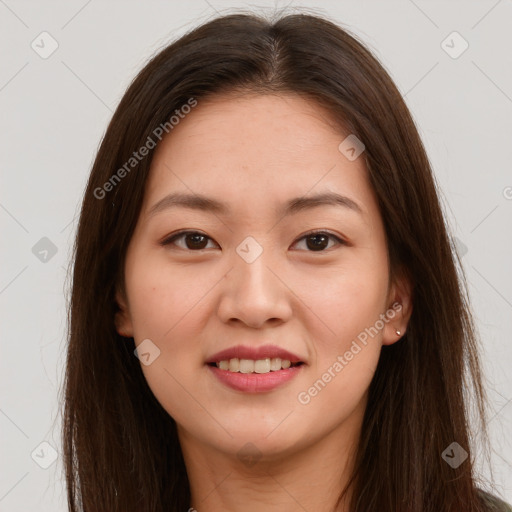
pixel 295 205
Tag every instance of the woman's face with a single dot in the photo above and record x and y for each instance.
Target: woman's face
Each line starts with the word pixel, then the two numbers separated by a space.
pixel 252 280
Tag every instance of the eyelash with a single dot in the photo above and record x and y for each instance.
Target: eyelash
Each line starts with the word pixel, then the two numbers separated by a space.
pixel 169 240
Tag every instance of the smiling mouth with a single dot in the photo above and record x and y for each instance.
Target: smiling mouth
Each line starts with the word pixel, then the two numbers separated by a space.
pixel 259 366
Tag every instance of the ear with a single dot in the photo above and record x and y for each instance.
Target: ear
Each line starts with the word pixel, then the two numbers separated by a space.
pixel 122 319
pixel 399 308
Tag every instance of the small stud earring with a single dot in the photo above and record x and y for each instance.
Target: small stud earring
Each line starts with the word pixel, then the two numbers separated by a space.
pixel 398 332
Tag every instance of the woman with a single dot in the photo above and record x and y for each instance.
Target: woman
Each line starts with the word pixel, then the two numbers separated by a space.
pixel 266 312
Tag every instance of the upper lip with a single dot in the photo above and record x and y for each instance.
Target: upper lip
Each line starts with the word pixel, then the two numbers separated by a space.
pixel 255 353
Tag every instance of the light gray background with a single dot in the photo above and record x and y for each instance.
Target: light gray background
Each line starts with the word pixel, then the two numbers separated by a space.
pixel 55 111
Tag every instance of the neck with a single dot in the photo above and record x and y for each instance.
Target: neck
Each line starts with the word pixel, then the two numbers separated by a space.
pixel 311 478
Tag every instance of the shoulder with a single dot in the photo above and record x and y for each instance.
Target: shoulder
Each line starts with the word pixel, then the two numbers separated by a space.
pixel 494 504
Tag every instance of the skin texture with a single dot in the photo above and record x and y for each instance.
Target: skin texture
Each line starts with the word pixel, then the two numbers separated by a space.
pixel 254 154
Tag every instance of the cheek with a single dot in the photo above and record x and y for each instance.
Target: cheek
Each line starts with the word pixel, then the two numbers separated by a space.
pixel 163 298
pixel 346 354
pixel 345 300
pixel 169 307
pixel 345 335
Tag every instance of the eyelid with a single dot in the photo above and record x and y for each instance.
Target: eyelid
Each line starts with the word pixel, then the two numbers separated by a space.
pixel 170 238
pixel 321 231
pixel 339 239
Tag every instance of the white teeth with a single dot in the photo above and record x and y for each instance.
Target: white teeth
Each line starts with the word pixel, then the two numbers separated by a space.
pixel 254 366
pixel 262 366
pixel 275 364
pixel 246 366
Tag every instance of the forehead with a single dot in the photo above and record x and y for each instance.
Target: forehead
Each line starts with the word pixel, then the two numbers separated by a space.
pixel 256 147
pixel 234 124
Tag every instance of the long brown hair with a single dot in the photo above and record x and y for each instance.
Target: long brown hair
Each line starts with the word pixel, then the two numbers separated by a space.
pixel 121 450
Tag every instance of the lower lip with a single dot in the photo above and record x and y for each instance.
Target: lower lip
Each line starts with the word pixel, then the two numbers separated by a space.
pixel 255 382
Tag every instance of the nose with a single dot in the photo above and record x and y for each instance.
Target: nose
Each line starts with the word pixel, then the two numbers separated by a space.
pixel 254 293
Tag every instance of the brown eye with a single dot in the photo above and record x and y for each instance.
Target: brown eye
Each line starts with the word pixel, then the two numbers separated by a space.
pixel 194 241
pixel 317 241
